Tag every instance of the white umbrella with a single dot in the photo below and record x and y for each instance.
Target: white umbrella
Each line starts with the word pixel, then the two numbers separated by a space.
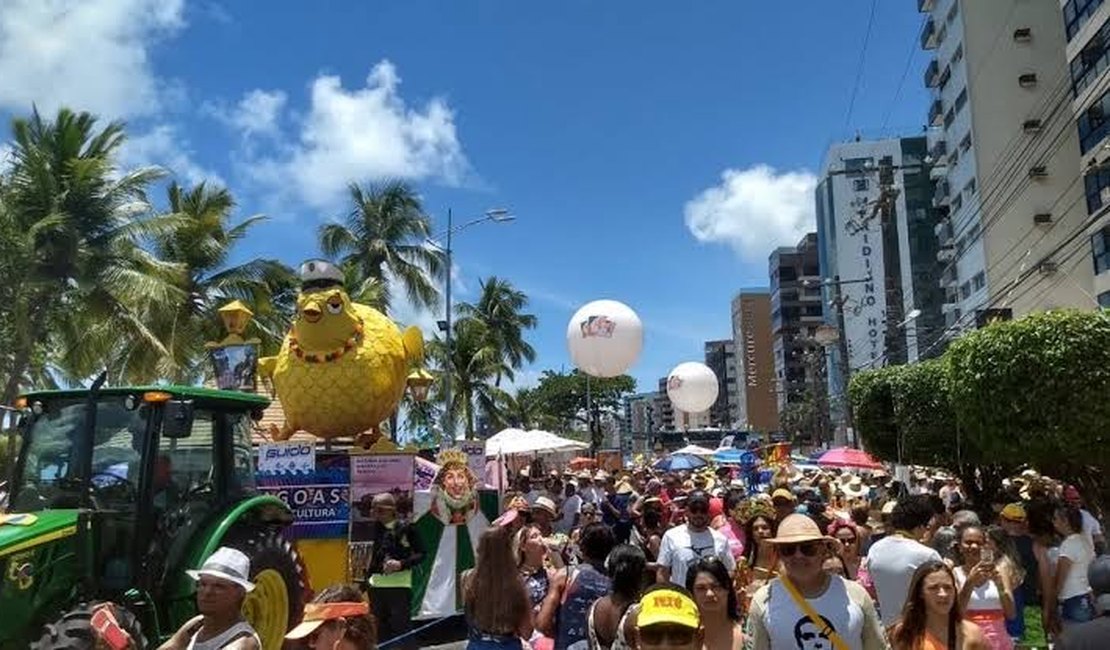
pixel 517 441
pixel 695 450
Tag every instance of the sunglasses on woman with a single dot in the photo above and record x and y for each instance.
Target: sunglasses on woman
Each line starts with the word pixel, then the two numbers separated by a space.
pixel 808 549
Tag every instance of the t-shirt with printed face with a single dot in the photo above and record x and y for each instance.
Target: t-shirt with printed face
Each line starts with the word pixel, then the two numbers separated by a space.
pixel 681 548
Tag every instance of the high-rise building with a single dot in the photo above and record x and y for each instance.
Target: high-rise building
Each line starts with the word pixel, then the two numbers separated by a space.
pixel 878 254
pixel 720 356
pixel 639 427
pixel 755 407
pixel 1005 153
pixel 1087 31
pixel 796 313
pixel 662 408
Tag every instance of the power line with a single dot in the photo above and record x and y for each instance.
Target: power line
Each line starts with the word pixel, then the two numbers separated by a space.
pixel 859 65
pixel 901 82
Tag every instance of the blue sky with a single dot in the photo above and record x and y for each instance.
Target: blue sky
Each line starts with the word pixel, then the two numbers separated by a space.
pixel 654 153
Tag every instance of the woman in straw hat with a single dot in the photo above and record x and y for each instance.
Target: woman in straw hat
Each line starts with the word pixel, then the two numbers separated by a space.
pixel 806 607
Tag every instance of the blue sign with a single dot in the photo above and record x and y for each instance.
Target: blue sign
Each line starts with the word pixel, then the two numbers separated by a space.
pixel 320 500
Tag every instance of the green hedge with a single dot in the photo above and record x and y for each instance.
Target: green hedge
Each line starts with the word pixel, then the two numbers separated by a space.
pixel 1031 391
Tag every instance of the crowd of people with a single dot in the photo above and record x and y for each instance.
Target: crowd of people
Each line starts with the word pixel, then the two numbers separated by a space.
pixel 816 560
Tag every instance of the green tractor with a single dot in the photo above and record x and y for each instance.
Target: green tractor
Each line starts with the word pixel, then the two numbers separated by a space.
pixel 127 488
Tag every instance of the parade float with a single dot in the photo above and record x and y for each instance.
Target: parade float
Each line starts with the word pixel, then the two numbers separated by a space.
pixel 340 374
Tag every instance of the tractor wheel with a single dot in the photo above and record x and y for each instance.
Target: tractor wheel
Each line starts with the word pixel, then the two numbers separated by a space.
pixel 277 602
pixel 73 629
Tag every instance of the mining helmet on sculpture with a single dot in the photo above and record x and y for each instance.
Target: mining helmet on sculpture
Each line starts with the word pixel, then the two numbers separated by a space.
pixel 320 274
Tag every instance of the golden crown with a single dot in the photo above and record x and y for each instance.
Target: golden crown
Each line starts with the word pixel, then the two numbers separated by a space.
pixel 452 457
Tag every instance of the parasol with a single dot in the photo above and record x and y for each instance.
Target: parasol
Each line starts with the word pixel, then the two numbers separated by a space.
pixel 679 463
pixel 848 457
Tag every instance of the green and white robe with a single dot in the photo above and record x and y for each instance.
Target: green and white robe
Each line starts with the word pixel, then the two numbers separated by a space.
pixel 450 540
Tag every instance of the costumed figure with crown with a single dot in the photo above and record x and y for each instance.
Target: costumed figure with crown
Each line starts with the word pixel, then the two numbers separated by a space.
pixel 450 517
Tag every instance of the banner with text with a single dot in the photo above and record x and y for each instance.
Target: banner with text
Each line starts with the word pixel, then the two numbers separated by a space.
pixel 287 457
pixel 319 499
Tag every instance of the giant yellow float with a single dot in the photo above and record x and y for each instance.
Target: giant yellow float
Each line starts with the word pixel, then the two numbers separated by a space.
pixel 342 367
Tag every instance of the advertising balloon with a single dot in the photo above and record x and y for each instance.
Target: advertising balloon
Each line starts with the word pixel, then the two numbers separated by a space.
pixel 692 387
pixel 605 338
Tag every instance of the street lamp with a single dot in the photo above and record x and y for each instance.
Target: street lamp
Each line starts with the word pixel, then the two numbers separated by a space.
pixel 496 215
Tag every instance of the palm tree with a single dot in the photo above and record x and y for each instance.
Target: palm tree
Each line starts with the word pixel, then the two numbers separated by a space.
pixel 522 410
pixel 384 238
pixel 474 365
pixel 81 220
pixel 199 245
pixel 500 308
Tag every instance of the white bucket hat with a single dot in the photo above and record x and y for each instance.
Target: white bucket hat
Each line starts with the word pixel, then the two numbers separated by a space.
pixel 227 564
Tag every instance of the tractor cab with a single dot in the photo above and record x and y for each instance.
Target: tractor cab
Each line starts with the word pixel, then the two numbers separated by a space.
pixel 126 488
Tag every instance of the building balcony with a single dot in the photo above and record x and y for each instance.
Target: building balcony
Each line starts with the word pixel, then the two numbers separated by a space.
pixel 929 40
pixel 936 113
pixel 944 233
pixel 946 253
pixel 925 6
pixel 940 197
pixel 932 74
pixel 939 150
pixel 949 307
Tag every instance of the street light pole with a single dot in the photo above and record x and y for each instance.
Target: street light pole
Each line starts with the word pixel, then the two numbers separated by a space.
pixel 498 215
pixel 448 421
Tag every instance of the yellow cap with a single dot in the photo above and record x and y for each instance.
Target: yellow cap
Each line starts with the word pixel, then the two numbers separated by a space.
pixel 783 493
pixel 1013 512
pixel 667 606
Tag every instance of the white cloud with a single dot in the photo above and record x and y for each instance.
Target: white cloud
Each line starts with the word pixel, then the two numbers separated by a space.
pixel 754 210
pixel 257 113
pixel 368 133
pixel 89 55
pixel 164 146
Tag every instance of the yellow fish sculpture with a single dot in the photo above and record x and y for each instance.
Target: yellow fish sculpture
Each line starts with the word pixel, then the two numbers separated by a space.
pixel 342 367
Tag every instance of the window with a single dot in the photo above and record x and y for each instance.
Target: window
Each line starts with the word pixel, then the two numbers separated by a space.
pixel 242 457
pixel 965 143
pixel 1104 299
pixel 1092 123
pixel 1094 185
pixel 953 159
pixel 1077 13
pixel 1100 250
pixel 957 203
pixel 958 54
pixel 859 184
pixel 953 12
pixel 965 290
pixel 949 118
pixel 973 233
pixel 858 165
pixel 970 188
pixel 961 100
pixel 979 281
pixel 1086 67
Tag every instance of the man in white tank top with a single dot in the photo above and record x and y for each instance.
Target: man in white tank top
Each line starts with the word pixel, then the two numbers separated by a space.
pixel 837 613
pixel 222 585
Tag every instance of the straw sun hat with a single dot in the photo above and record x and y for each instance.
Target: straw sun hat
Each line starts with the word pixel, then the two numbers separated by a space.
pixel 798 529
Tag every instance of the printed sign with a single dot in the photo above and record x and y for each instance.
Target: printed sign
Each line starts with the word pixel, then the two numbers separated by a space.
pixel 287 458
pixel 320 500
pixel 476 459
pixel 374 474
pixel 423 475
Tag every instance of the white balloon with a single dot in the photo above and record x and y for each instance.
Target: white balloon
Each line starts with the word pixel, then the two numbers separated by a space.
pixel 692 387
pixel 605 338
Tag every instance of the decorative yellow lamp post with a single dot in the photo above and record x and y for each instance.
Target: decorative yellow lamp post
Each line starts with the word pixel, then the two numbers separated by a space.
pixel 235 359
pixel 419 382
